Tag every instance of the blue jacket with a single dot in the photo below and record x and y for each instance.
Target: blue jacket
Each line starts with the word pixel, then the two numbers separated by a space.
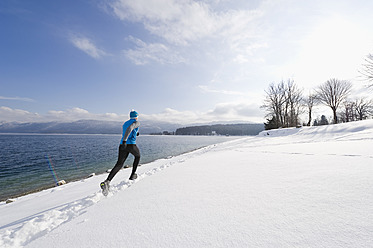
pixel 130 130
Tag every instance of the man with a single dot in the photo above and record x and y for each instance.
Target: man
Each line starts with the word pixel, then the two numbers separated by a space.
pixel 127 146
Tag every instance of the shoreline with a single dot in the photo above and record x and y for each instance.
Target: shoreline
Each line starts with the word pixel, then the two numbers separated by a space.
pixel 51 186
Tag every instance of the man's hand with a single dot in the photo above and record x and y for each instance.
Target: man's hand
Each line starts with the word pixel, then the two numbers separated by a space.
pixel 124 144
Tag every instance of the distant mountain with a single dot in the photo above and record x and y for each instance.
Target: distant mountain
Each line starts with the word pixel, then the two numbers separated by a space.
pixel 222 129
pixel 115 127
pixel 83 127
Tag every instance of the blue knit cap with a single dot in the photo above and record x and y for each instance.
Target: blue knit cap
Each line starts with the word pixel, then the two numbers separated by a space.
pixel 133 114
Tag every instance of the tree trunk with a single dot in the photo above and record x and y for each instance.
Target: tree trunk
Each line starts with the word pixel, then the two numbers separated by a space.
pixel 335 115
pixel 309 117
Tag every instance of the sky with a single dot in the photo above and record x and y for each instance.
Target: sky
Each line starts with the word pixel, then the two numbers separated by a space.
pixel 179 61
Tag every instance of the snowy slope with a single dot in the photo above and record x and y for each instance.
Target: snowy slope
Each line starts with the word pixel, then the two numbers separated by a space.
pixel 306 187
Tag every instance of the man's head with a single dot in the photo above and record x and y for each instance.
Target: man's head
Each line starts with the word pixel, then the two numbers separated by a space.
pixel 134 114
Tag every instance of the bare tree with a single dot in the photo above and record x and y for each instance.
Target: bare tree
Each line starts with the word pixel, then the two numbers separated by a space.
pixel 348 112
pixel 367 71
pixel 364 108
pixel 310 102
pixel 283 104
pixel 332 93
pixel 294 104
pixel 274 102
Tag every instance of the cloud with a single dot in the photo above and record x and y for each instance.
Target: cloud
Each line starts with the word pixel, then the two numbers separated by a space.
pixel 87 46
pixel 8 115
pixel 173 116
pixel 24 99
pixel 182 22
pixel 70 114
pixel 224 92
pixel 145 53
pixel 236 111
pixel 74 114
pixel 222 112
pixel 196 25
pixel 179 22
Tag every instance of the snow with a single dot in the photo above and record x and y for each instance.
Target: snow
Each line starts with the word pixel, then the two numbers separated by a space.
pixel 296 187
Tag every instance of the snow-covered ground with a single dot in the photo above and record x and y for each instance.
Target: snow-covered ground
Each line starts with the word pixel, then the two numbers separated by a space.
pixel 305 187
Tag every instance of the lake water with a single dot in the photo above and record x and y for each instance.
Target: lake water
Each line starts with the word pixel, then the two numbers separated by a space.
pixel 32 162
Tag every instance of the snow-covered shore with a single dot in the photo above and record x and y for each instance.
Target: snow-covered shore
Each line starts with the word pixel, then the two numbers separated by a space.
pixel 306 187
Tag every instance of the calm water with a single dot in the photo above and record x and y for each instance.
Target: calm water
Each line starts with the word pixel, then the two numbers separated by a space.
pixel 32 162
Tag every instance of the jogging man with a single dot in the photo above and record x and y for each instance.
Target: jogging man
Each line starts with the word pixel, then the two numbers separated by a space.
pixel 127 146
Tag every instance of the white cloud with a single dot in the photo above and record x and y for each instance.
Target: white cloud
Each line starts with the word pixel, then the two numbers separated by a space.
pixel 179 22
pixel 223 112
pixel 24 99
pixel 247 97
pixel 18 115
pixel 224 92
pixel 172 116
pixel 239 111
pixel 75 114
pixel 87 46
pixel 145 53
pixel 236 111
pixel 195 25
pixel 70 114
pixel 8 115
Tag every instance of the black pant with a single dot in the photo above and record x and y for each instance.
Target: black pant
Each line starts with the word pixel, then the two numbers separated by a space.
pixel 124 151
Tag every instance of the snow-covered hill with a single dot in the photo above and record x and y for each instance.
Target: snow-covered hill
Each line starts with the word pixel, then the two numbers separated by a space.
pixel 305 187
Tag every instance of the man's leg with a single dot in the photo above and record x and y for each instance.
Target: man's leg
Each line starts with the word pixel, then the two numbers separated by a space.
pixel 122 156
pixel 134 150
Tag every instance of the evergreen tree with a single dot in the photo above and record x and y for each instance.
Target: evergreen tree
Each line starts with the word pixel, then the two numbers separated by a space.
pixel 271 124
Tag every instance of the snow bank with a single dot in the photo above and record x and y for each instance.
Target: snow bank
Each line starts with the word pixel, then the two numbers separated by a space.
pixel 307 187
pixel 327 131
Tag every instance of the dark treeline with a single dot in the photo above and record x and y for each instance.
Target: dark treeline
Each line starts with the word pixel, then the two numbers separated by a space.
pixel 221 129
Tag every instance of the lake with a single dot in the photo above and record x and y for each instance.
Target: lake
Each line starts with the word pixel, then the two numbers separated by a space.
pixel 31 162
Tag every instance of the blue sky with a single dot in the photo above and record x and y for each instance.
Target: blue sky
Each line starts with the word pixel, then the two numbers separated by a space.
pixel 180 61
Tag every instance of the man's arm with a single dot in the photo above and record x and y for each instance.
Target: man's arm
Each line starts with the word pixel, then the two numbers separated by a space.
pixel 134 125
